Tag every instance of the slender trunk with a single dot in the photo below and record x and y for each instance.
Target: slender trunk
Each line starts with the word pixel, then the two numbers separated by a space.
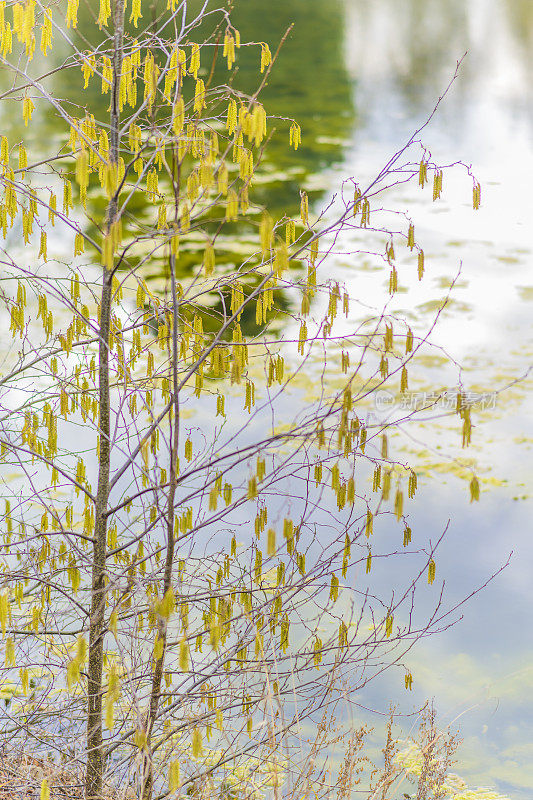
pixel 95 751
pixel 157 677
pixel 93 778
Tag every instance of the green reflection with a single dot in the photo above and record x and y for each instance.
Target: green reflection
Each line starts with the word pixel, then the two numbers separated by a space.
pixel 520 14
pixel 308 82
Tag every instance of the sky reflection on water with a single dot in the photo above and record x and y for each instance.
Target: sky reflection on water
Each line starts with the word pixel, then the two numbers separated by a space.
pixel 400 57
pixel 358 101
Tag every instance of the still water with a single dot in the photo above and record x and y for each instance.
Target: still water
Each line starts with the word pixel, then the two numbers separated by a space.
pixel 360 76
pixel 399 57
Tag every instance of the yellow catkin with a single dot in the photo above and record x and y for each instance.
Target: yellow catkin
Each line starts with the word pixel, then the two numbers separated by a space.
pixel 174 779
pixel 72 13
pixel 43 246
pixel 476 196
pixel 420 264
pixel 365 213
pixel 290 232
pixel 232 206
pixel 393 281
pixel 23 161
pixel 87 68
pixel 231 117
pixel 422 173
pixel 27 110
pixel 398 504
pixel 17 20
pixel 136 14
pixel 356 200
pixel 266 227
pixel 386 485
pixel 258 127
pixel 199 96
pixel 107 74
pixel 4 151
pixel 437 184
pixel 79 244
pixel 194 62
pixel 304 208
pixel 178 117
pixel 407 535
pixel 46 31
pixel 209 260
pixel 229 48
pixel 295 135
pixel 28 22
pixel 104 13
pixel 266 56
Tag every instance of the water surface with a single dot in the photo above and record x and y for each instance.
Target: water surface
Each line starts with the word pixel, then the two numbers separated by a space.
pixel 400 57
pixel 360 76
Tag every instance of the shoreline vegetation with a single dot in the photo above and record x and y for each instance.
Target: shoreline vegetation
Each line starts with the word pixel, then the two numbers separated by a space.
pixel 418 767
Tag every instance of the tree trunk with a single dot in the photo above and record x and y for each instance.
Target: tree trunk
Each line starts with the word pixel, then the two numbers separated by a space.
pixel 95 753
pixel 155 694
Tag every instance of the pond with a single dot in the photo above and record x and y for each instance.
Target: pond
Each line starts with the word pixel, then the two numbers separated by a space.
pixel 360 76
pixel 399 57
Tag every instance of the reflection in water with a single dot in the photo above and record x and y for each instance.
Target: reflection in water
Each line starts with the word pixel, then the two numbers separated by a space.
pixel 409 49
pixel 390 61
pixel 401 56
pixel 520 15
pixel 309 83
